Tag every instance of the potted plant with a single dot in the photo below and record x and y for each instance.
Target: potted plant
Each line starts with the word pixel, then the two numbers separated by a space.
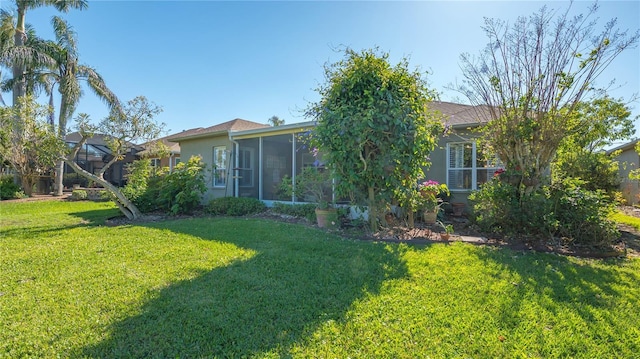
pixel 448 231
pixel 313 184
pixel 430 192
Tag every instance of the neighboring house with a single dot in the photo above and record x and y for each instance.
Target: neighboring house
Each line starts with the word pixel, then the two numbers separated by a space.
pixel 628 160
pixel 251 159
pixel 94 155
pixel 172 157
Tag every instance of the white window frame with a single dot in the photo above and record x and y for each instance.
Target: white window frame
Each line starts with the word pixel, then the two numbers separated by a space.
pixel 220 172
pixel 474 167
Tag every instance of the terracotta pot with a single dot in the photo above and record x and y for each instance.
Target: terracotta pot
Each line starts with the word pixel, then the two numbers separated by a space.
pixel 430 217
pixel 458 208
pixel 444 236
pixel 327 218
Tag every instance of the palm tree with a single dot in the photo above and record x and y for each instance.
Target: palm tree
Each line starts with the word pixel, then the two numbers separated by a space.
pixel 67 73
pixel 20 36
pixel 275 121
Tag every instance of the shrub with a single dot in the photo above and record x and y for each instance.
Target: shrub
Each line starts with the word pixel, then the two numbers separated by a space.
pixel 499 207
pixel 9 189
pixel 143 185
pixel 564 210
pixel 176 192
pixel 79 195
pixel 180 191
pixel 69 179
pixel 307 211
pixel 105 196
pixel 598 170
pixel 235 206
pixel 583 215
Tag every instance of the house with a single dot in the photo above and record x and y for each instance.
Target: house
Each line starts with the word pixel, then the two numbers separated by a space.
pixel 94 155
pixel 628 160
pixel 170 156
pixel 252 159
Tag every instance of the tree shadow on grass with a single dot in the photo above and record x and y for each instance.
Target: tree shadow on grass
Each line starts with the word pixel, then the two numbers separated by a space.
pixel 562 287
pixel 87 219
pixel 96 217
pixel 266 303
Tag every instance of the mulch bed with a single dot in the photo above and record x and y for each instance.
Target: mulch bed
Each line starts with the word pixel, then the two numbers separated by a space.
pixel 397 232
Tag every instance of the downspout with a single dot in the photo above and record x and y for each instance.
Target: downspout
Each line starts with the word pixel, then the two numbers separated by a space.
pixel 236 159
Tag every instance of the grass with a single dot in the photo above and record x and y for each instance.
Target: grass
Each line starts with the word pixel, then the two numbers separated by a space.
pixel 221 287
pixel 626 219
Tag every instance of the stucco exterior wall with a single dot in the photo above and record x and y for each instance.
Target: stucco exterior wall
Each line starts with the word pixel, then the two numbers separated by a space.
pixel 628 160
pixel 438 169
pixel 204 147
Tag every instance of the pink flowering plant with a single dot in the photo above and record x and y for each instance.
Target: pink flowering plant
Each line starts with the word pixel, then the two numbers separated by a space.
pixel 430 192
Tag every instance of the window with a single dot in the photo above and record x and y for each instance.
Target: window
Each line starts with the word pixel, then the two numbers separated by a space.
pixel 155 162
pixel 220 166
pixel 468 167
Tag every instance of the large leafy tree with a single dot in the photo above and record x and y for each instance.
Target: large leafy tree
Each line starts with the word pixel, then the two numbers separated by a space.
pixel 133 123
pixel 533 74
pixel 374 127
pixel 20 37
pixel 604 121
pixel 31 146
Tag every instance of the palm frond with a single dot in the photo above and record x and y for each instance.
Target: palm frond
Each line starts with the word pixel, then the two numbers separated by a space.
pixel 26 56
pixel 66 5
pixel 99 87
pixel 65 35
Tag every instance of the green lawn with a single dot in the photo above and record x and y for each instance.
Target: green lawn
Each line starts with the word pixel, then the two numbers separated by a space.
pixel 626 219
pixel 219 287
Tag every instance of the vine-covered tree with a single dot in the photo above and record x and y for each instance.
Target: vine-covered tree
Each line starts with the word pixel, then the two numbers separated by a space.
pixel 134 123
pixel 532 75
pixel 374 127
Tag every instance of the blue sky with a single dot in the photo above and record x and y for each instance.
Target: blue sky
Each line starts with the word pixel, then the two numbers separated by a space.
pixel 207 62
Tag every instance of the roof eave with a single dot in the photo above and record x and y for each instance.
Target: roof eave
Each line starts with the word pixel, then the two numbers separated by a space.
pixel 290 128
pixel 177 139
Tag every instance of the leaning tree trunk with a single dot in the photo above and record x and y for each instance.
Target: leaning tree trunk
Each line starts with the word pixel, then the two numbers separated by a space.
pixel 126 206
